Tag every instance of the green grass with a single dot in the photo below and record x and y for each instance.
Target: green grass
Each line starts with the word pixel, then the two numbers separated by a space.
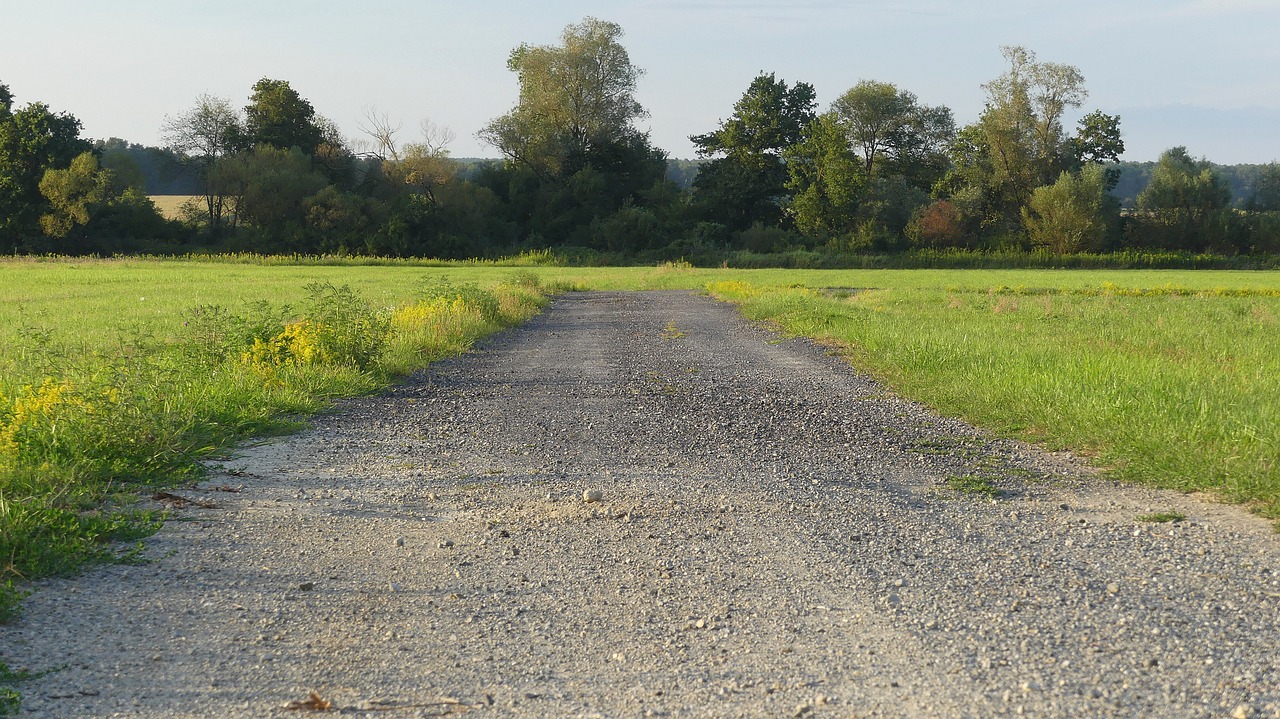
pixel 1162 517
pixel 105 394
pixel 127 372
pixel 1164 378
pixel 974 486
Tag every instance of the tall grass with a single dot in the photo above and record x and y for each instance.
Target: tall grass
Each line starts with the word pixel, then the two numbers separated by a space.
pixel 86 427
pixel 1170 386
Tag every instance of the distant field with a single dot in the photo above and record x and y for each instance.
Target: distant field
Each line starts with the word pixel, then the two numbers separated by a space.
pixel 168 205
pixel 94 302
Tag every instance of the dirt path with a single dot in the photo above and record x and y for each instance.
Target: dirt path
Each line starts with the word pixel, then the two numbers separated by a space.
pixel 776 538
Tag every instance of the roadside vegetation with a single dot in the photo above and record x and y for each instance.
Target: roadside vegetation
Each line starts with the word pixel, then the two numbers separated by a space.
pixel 1169 384
pixel 107 397
pixel 118 376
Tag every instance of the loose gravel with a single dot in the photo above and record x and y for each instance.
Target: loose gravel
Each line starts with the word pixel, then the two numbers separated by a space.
pixel 641 505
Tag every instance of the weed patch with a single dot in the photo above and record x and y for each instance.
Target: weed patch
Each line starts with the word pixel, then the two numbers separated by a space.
pixel 975 486
pixel 1162 517
pixel 671 332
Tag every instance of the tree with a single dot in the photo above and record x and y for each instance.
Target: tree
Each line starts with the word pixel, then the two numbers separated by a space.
pixel 573 152
pixel 1022 125
pixel 422 169
pixel 32 140
pixel 746 183
pixel 1185 199
pixel 128 173
pixel 889 127
pixel 419 167
pixel 73 193
pixel 278 116
pixel 769 118
pixel 826 179
pixel 267 187
pixel 1019 144
pixel 204 135
pixel 576 99
pixel 333 156
pixel 1266 189
pixel 1030 100
pixel 1075 214
pixel 938 224
pixel 1098 140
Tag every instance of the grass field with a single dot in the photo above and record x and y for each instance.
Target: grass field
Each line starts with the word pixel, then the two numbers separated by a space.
pixel 1168 386
pixel 170 206
pixel 118 376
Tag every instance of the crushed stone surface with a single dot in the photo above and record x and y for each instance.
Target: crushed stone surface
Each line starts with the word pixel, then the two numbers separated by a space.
pixel 639 504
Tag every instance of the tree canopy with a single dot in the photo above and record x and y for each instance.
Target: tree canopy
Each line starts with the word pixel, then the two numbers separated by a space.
pixel 893 132
pixel 576 100
pixel 1186 197
pixel 33 139
pixel 746 183
pixel 878 170
pixel 278 116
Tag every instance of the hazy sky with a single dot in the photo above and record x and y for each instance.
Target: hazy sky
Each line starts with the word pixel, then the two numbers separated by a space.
pixel 1199 73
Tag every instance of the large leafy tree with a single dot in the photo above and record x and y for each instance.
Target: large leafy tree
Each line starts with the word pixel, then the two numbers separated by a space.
pixel 746 183
pixel 577 101
pixel 33 140
pixel 1074 214
pixel 827 179
pixel 1023 123
pixel 770 117
pixel 278 116
pixel 893 133
pixel 73 194
pixel 210 131
pixel 1019 143
pixel 574 153
pixel 1098 141
pixel 1186 199
pixel 266 187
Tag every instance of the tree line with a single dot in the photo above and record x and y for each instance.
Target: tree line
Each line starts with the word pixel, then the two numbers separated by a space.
pixel 878 170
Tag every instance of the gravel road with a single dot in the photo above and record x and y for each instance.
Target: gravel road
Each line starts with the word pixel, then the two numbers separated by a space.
pixel 777 536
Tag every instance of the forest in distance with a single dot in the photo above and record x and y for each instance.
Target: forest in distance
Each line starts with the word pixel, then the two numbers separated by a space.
pixel 778 181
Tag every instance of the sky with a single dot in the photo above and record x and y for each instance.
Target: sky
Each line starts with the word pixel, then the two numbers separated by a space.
pixel 1204 74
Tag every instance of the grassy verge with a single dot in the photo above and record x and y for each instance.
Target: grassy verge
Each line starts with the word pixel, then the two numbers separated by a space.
pixel 1169 385
pixel 94 413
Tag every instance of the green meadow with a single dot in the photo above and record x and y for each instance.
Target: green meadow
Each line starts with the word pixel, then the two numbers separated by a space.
pixel 117 377
pixel 1175 384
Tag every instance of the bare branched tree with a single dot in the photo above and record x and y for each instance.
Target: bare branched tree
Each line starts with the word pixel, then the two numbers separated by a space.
pixel 436 138
pixel 379 128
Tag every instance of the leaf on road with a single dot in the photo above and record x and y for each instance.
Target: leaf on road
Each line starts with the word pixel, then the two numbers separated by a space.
pixel 313 703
